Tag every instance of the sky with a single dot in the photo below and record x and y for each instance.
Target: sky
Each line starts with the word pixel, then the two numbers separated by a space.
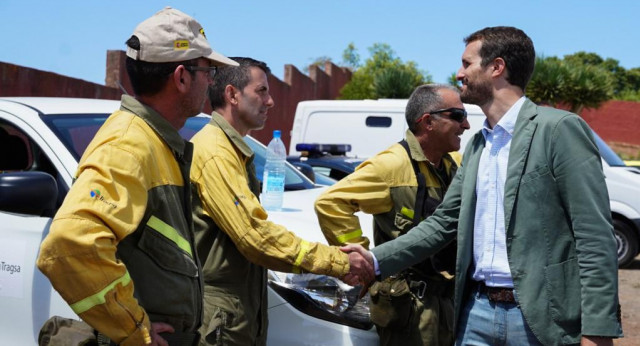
pixel 72 37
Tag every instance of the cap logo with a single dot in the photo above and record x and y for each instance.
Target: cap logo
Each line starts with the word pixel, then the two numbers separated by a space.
pixel 180 45
pixel 202 32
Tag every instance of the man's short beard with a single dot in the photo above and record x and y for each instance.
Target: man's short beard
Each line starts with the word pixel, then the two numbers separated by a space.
pixel 477 93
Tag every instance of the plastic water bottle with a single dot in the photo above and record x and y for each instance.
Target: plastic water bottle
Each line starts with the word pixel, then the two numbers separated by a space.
pixel 273 178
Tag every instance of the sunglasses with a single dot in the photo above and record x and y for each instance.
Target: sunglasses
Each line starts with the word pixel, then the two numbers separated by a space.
pixel 211 69
pixel 457 114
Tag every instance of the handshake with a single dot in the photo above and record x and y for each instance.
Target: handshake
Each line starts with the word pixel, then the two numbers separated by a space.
pixel 361 267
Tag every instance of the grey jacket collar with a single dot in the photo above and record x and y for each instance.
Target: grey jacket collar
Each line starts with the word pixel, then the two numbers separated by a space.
pixel 233 135
pixel 418 155
pixel 156 121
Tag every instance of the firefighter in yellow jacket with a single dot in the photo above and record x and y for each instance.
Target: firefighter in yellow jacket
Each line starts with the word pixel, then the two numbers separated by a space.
pixel 120 250
pixel 401 186
pixel 235 241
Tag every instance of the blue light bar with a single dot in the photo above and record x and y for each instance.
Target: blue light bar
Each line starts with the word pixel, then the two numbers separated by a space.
pixel 333 149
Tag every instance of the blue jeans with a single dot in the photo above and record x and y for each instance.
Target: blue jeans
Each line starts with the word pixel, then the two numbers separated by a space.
pixel 483 322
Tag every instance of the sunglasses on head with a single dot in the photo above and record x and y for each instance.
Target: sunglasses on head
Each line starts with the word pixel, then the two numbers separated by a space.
pixel 457 114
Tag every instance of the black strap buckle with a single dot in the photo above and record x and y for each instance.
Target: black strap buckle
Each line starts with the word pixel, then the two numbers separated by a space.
pixel 419 288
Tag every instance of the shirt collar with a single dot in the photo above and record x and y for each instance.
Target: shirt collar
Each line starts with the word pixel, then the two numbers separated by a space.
pixel 232 134
pixel 508 120
pixel 156 121
pixel 418 154
pixel 414 147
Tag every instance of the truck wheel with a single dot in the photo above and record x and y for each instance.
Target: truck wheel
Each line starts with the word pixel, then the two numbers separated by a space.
pixel 627 242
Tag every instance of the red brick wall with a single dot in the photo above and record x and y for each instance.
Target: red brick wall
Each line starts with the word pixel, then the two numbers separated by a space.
pixel 116 71
pixel 298 87
pixel 23 81
pixel 616 121
pixel 286 94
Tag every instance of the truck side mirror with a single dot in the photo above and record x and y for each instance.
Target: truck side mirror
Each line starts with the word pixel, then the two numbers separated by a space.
pixel 32 193
pixel 305 169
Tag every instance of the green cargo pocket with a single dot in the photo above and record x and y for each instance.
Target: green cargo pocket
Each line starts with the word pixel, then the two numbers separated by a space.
pixel 391 303
pixel 59 331
pixel 404 220
pixel 166 253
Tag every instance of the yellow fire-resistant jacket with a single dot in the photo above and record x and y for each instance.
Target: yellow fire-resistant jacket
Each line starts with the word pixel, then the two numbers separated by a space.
pixel 120 249
pixel 235 240
pixel 384 186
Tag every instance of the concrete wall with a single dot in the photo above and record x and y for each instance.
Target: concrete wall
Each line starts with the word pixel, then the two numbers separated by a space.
pixel 615 121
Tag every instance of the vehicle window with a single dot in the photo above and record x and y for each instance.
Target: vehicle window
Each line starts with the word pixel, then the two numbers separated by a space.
pixel 377 121
pixel 21 153
pixel 338 174
pixel 75 130
pixel 16 155
pixel 609 156
pixel 322 179
pixel 294 180
pixel 192 126
pixel 326 171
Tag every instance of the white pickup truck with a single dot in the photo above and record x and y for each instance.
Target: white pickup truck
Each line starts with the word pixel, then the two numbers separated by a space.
pixel 42 140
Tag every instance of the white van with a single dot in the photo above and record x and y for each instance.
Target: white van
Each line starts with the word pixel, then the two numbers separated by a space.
pixel 371 126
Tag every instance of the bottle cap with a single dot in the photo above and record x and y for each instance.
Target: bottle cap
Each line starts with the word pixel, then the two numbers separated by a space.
pixel 276 133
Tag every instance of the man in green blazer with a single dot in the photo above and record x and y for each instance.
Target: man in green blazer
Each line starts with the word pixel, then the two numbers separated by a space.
pixel 536 257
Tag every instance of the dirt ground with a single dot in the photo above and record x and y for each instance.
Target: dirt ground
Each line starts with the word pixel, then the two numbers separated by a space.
pixel 629 291
pixel 626 151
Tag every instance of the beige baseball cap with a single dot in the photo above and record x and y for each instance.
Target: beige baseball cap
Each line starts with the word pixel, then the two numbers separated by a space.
pixel 171 35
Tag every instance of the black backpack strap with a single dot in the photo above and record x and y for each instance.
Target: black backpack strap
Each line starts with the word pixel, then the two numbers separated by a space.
pixel 422 186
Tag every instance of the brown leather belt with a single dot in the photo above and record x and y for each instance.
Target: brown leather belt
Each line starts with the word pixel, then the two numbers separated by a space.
pixel 497 294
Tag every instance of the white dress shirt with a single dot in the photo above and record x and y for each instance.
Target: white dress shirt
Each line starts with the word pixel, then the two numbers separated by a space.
pixel 491 264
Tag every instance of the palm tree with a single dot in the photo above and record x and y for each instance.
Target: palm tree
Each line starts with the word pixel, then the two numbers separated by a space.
pixel 577 86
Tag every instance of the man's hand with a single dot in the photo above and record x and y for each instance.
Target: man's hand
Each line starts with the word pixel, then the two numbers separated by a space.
pixel 361 270
pixel 156 329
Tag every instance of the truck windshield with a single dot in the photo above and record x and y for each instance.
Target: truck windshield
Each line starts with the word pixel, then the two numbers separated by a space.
pixel 609 156
pixel 294 180
pixel 77 130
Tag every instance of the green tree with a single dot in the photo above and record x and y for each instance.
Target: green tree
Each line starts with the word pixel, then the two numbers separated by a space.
pixel 394 82
pixel 570 83
pixel 584 58
pixel 547 82
pixel 350 57
pixel 319 61
pixel 632 91
pixel 625 82
pixel 383 75
pixel 453 80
